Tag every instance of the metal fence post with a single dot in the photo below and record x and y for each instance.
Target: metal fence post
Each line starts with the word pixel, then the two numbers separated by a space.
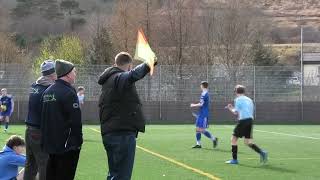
pixel 254 92
pixel 160 109
pixel 18 116
pixel 302 75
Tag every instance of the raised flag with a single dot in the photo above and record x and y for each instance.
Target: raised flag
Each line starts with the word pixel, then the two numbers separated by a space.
pixel 143 51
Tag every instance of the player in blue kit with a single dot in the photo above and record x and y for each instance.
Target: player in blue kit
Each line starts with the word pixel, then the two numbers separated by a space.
pixel 202 117
pixel 6 107
pixel 243 108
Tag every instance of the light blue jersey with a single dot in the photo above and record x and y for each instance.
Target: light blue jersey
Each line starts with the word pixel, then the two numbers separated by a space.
pixel 244 106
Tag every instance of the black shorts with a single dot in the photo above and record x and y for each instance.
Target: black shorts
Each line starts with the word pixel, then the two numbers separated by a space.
pixel 243 129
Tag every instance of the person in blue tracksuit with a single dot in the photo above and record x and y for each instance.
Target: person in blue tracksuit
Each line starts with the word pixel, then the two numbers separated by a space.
pixel 11 159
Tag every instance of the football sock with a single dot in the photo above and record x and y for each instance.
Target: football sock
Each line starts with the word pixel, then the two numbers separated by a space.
pixel 209 135
pixel 6 125
pixel 255 148
pixel 235 152
pixel 198 136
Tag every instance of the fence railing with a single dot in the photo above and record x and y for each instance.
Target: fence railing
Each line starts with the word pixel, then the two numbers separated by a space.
pixel 171 83
pixel 267 86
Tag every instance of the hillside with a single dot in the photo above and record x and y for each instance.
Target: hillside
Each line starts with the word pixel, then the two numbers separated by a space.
pixel 288 15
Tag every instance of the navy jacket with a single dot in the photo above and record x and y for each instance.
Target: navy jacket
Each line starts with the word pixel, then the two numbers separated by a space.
pixel 35 105
pixel 120 109
pixel 61 124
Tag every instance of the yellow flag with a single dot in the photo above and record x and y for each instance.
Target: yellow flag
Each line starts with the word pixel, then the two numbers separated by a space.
pixel 144 52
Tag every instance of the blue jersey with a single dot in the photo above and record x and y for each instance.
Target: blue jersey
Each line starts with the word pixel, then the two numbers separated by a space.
pixel 244 106
pixel 10 161
pixel 205 104
pixel 8 102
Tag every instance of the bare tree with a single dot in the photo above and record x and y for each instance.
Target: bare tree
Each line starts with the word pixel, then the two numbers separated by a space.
pixel 9 52
pixel 125 22
pixel 181 17
pixel 4 19
pixel 232 31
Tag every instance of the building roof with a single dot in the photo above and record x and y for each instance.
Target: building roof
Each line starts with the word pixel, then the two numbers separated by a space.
pixel 315 56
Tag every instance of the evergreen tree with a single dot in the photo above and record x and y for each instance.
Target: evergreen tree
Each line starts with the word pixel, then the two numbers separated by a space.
pixel 262 55
pixel 102 50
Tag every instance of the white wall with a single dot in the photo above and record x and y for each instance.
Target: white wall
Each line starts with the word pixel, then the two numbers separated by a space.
pixel 311 74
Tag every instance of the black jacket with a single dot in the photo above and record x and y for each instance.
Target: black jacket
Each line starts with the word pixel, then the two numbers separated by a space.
pixel 120 109
pixel 61 124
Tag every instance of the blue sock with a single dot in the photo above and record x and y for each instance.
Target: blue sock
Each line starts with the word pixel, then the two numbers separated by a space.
pixel 6 125
pixel 208 135
pixel 198 136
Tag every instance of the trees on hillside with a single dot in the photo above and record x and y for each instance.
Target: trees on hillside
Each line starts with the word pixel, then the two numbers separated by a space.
pixel 67 47
pixel 9 52
pixel 180 31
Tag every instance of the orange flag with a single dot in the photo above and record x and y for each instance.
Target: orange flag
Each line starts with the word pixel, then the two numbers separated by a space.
pixel 143 51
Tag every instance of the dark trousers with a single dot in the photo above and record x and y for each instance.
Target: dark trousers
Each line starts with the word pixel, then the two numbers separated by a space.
pixel 36 158
pixel 62 166
pixel 120 149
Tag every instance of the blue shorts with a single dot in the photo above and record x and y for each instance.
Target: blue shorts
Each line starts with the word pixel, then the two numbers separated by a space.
pixel 202 122
pixel 5 113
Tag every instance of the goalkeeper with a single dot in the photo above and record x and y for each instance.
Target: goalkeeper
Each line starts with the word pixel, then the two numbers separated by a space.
pixel 6 108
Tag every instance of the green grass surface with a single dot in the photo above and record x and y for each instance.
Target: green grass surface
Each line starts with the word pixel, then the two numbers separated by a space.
pixel 294 154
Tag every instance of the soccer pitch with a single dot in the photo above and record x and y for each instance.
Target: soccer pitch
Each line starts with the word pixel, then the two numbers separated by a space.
pixel 164 152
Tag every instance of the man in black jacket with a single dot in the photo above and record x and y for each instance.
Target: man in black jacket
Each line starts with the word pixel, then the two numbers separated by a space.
pixel 36 158
pixel 61 124
pixel 120 113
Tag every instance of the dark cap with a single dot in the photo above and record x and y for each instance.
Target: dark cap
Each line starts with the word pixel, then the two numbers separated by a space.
pixel 63 67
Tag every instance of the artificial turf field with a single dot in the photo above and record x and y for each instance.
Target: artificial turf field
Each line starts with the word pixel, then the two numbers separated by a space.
pixel 164 152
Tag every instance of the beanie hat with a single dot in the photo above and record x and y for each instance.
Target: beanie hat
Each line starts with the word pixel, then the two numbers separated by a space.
pixel 63 67
pixel 47 67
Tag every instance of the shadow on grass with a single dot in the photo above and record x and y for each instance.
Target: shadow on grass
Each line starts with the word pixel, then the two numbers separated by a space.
pixel 220 150
pixel 269 167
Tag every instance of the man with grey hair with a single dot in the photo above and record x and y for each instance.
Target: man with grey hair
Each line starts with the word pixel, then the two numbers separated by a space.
pixel 36 158
pixel 61 124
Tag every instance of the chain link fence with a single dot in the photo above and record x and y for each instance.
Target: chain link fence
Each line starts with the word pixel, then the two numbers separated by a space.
pixel 276 90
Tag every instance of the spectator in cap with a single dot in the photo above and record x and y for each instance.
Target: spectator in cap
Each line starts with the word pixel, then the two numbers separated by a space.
pixel 61 124
pixel 36 158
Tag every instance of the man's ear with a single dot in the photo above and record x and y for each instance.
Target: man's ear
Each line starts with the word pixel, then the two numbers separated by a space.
pixel 14 148
pixel 129 67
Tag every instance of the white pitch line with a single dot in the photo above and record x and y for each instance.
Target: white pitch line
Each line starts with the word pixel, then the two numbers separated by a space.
pixel 286 134
pixel 280 159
